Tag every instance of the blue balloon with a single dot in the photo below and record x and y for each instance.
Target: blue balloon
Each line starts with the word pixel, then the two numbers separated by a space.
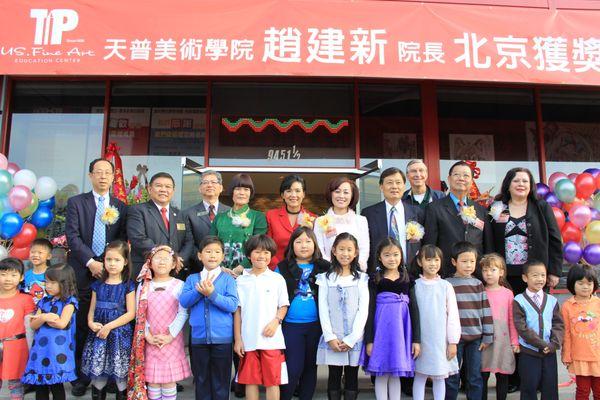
pixel 593 171
pixel 42 217
pixel 49 204
pixel 10 225
pixel 6 205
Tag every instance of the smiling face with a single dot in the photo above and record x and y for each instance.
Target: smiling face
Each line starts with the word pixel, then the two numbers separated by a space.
pixel 393 188
pixel 430 266
pixel 465 264
pixel 520 186
pixel 260 259
pixel 391 257
pixel 341 197
pixel 293 196
pixel 161 191
pixel 102 176
pixel 304 248
pixel 460 180
pixel 345 252
pixel 210 187
pixel 417 175
pixel 535 278
pixel 241 196
pixel 162 264
pixel 39 255
pixel 9 280
pixel 211 256
pixel 114 263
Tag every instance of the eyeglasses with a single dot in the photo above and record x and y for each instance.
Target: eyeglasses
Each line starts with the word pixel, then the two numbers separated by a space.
pixel 159 186
pixel 102 173
pixel 210 183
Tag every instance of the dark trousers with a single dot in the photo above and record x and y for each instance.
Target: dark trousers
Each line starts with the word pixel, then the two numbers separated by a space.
pixel 42 392
pixel 501 385
pixel 301 341
pixel 334 381
pixel 211 364
pixel 469 351
pixel 518 286
pixel 538 372
pixel 84 297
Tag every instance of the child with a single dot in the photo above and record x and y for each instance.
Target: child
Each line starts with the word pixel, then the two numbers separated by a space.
pixel 211 297
pixel 499 357
pixel 392 333
pixel 439 324
pixel 14 308
pixel 537 360
pixel 343 310
pixel 477 325
pixel 52 356
pixel 39 255
pixel 165 361
pixel 107 350
pixel 301 327
pixel 581 347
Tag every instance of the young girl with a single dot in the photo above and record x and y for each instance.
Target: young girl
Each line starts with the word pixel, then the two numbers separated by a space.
pixel 440 325
pixel 107 351
pixel 392 332
pixel 15 307
pixel 52 356
pixel 301 328
pixel 499 357
pixel 164 361
pixel 343 310
pixel 581 347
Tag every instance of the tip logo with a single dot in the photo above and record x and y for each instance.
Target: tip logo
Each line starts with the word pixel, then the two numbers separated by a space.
pixel 50 24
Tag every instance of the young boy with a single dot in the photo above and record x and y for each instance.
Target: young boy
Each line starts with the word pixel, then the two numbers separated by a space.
pixel 540 326
pixel 211 297
pixel 39 256
pixel 258 338
pixel 476 320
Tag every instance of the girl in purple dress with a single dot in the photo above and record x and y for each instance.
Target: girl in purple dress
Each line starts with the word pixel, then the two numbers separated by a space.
pixel 392 333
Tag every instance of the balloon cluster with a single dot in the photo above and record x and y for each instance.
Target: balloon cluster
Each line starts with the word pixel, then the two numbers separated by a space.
pixel 26 204
pixel 575 201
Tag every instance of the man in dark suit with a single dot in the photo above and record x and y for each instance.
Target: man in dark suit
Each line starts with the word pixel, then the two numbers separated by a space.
pixel 389 217
pixel 156 222
pixel 87 237
pixel 200 216
pixel 419 193
pixel 444 225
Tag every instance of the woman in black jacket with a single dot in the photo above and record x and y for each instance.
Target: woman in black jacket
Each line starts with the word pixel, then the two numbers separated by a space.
pixel 301 327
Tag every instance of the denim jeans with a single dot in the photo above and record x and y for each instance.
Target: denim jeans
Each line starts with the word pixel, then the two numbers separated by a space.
pixel 469 351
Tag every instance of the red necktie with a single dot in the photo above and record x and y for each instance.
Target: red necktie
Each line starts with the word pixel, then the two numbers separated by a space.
pixel 163 213
pixel 211 212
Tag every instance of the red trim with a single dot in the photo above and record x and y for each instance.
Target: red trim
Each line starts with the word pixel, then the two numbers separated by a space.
pixel 7 116
pixel 505 3
pixel 208 109
pixel 356 127
pixel 431 134
pixel 107 93
pixel 540 134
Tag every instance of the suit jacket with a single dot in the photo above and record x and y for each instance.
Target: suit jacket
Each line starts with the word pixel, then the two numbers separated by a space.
pixel 81 212
pixel 444 227
pixel 378 229
pixel 197 218
pixel 543 237
pixel 280 230
pixel 146 229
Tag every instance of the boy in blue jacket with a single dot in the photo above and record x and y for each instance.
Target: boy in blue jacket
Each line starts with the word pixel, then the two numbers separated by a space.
pixel 211 297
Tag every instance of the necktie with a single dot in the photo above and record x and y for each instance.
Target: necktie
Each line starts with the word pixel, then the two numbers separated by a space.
pixel 394 224
pixel 211 212
pixel 163 213
pixel 460 205
pixel 99 235
pixel 537 300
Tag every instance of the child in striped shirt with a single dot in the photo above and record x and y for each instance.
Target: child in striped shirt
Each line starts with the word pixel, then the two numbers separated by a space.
pixel 477 325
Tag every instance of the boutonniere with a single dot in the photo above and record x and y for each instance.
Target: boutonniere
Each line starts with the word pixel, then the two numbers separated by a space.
pixel 110 215
pixel 496 210
pixel 325 222
pixel 306 220
pixel 414 231
pixel 240 220
pixel 468 214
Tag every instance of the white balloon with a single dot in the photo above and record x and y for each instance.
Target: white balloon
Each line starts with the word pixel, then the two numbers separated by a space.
pixel 45 188
pixel 3 253
pixel 25 177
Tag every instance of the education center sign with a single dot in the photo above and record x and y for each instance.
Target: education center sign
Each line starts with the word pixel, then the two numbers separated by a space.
pixel 383 39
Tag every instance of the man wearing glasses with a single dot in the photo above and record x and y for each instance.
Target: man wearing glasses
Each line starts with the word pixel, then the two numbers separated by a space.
pixel 419 193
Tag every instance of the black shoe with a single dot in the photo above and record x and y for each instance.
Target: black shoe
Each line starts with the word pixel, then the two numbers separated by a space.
pixel 111 387
pixel 121 395
pixel 98 394
pixel 350 394
pixel 78 389
pixel 239 391
pixel 513 388
pixel 179 388
pixel 334 395
pixel 28 388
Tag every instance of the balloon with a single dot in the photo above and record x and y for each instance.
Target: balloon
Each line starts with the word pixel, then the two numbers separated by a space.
pixel 596 201
pixel 30 209
pixel 45 187
pixel 592 232
pixel 553 200
pixel 13 168
pixel 580 215
pixel 3 253
pixel 22 253
pixel 26 236
pixel 593 171
pixel 573 176
pixel 586 185
pixel 591 254
pixel 597 179
pixel 559 215
pixel 7 208
pixel 542 190
pixel 568 206
pixel 25 177
pixel 571 233
pixel 10 225
pixel 565 190
pixel 572 252
pixel 42 217
pixel 3 161
pixel 19 197
pixel 64 194
pixel 6 182
pixel 595 214
pixel 555 177
pixel 49 204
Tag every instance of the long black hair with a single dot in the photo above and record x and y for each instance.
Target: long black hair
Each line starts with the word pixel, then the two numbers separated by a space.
pixel 387 242
pixel 123 249
pixel 64 275
pixel 335 265
pixel 504 195
pixel 425 252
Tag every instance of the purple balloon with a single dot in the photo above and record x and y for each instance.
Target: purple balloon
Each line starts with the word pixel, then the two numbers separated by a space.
pixel 553 200
pixel 591 254
pixel 542 190
pixel 572 252
pixel 593 171
pixel 595 214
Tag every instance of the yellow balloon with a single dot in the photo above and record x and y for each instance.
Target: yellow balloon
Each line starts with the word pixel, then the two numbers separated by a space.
pixel 592 232
pixel 30 209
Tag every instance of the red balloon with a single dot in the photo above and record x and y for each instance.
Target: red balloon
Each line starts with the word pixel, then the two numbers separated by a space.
pixel 571 233
pixel 598 181
pixel 560 217
pixel 26 236
pixel 22 253
pixel 585 185
pixel 567 206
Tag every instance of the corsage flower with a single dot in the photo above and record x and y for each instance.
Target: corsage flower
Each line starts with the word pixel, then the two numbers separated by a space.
pixel 496 209
pixel 414 231
pixel 468 215
pixel 305 219
pixel 240 220
pixel 110 215
pixel 325 222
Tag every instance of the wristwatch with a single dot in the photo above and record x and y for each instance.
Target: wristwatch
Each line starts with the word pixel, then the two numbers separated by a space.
pixel 279 319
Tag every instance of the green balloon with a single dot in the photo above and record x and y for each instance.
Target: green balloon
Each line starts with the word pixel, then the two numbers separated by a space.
pixel 565 190
pixel 6 182
pixel 596 200
pixel 30 209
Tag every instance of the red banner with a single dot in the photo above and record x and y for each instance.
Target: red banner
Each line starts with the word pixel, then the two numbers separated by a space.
pixel 383 39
